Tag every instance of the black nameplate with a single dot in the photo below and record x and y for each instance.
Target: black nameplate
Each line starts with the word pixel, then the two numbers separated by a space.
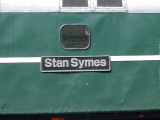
pixel 75 63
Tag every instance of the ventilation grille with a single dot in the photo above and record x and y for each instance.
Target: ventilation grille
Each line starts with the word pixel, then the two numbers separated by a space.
pixel 75 3
pixel 109 3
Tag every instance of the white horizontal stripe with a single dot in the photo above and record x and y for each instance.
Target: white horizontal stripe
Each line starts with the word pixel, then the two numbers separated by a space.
pixel 133 6
pixel 135 58
pixel 113 58
pixel 20 60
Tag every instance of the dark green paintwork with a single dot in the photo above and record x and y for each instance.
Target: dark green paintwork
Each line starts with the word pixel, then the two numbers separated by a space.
pixel 130 86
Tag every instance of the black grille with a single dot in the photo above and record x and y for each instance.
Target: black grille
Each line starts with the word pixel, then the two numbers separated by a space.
pixel 109 3
pixel 75 3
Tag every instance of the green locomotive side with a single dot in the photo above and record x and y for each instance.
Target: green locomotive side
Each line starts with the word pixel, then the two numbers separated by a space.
pixel 129 86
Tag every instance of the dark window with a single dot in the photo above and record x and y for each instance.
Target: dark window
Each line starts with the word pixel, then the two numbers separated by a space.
pixel 109 3
pixel 75 3
pixel 75 37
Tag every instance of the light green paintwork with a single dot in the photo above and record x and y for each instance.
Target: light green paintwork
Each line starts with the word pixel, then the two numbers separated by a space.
pixel 130 86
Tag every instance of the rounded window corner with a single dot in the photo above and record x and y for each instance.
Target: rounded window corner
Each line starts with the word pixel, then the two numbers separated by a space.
pixel 75 36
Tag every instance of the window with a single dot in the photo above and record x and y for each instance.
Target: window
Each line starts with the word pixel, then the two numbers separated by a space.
pixel 109 3
pixel 74 37
pixel 75 3
pixel 92 5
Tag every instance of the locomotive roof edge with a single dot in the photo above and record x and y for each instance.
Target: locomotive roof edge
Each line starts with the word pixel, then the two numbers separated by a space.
pixel 129 6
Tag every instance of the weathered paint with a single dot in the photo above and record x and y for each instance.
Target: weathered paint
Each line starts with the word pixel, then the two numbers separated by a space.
pixel 130 86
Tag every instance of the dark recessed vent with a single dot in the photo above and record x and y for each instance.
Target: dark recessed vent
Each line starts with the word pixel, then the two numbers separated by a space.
pixel 75 37
pixel 75 3
pixel 109 3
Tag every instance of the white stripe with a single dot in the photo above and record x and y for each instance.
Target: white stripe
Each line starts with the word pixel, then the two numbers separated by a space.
pixel 133 6
pixel 113 58
pixel 135 58
pixel 20 60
